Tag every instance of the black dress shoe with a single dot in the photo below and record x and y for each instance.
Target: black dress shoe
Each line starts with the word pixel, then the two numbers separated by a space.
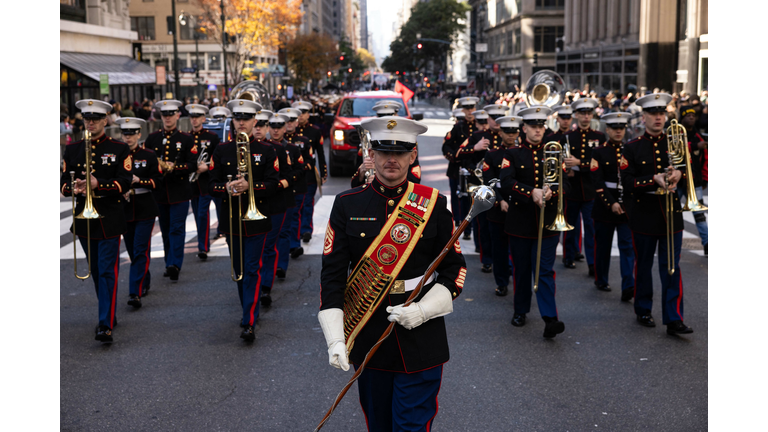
pixel 677 327
pixel 553 327
pixel 306 237
pixel 628 294
pixel 579 257
pixel 487 268
pixel 569 264
pixel 103 334
pixel 135 301
pixel 280 273
pixel 264 296
pixel 501 291
pixel 165 273
pixel 173 272
pixel 202 255
pixel 603 287
pixel 518 320
pixel 467 235
pixel 646 321
pixel 299 251
pixel 248 335
pixel 591 270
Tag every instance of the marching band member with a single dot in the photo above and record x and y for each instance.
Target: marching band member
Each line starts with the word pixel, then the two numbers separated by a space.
pixel 303 128
pixel 697 148
pixel 461 131
pixel 110 177
pixel 608 213
pixel 580 198
pixel 265 168
pixel 522 180
pixel 220 113
pixel 178 156
pixel 140 208
pixel 644 166
pixel 399 227
pixel 206 142
pixel 307 152
pixel 564 119
pixel 509 130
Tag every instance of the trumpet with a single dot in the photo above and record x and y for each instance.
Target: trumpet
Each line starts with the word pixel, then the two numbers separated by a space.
pixel 89 211
pixel 243 149
pixel 553 176
pixel 203 158
pixel 164 167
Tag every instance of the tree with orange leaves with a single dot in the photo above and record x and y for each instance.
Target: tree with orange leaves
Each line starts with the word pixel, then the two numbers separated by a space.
pixel 254 28
pixel 310 57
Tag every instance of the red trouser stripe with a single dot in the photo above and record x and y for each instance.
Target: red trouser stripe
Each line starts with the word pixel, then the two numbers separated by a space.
pixel 258 284
pixel 146 267
pixel 114 288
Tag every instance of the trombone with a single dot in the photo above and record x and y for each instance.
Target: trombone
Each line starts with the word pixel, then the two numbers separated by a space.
pixel 243 149
pixel 553 176
pixel 89 211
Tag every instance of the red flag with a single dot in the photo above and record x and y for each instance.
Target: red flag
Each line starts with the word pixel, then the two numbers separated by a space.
pixel 406 92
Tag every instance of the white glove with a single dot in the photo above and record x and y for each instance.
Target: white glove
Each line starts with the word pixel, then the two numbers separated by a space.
pixel 435 303
pixel 332 323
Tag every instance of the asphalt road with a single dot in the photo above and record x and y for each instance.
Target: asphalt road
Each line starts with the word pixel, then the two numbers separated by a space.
pixel 178 362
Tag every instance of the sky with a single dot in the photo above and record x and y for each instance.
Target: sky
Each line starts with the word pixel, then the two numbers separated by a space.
pixel 381 15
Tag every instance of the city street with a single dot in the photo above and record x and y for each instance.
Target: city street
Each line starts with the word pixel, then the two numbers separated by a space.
pixel 178 363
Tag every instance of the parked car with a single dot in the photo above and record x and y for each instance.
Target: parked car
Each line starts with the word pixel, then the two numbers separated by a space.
pixel 343 156
pixel 219 128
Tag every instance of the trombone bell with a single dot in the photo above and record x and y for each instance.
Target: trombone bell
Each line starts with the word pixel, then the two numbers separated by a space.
pixel 560 224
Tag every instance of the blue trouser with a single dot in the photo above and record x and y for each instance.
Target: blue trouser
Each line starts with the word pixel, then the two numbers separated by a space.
pixel 269 258
pixel 486 249
pixel 603 245
pixel 173 225
pixel 455 204
pixel 500 247
pixel 248 287
pixel 296 222
pixel 571 239
pixel 201 210
pixel 700 217
pixel 671 286
pixel 105 260
pixel 524 258
pixel 284 240
pixel 396 401
pixel 307 210
pixel 138 239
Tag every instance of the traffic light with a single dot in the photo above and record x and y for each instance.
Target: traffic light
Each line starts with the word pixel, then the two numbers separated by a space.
pixel 341 58
pixel 419 46
pixel 349 70
pixel 426 79
pixel 329 73
pixel 397 72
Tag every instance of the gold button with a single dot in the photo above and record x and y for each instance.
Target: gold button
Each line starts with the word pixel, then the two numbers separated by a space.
pixel 522 166
pixel 362 234
pixel 643 162
pixel 657 152
pixel 658 159
pixel 391 202
pixel 658 166
pixel 537 171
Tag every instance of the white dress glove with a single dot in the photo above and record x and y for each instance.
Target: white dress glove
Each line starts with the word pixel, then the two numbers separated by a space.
pixel 435 303
pixel 332 323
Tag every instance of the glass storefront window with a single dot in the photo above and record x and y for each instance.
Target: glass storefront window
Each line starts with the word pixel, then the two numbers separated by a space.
pixel 630 80
pixel 630 66
pixel 591 67
pixel 214 61
pixel 611 83
pixel 574 68
pixel 612 67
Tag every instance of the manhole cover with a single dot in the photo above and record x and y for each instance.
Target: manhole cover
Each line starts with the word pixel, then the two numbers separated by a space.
pixel 692 244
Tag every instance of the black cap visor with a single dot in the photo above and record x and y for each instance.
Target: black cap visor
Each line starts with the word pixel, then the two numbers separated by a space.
pixel 392 146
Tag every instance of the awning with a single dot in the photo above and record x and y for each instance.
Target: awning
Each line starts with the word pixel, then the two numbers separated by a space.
pixel 121 69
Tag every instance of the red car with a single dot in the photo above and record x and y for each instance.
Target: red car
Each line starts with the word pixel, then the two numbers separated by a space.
pixel 345 141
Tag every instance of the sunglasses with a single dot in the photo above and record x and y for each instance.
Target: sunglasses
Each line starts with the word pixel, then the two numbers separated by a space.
pixel 130 131
pixel 481 121
pixel 564 117
pixel 470 107
pixel 617 126
pixel 168 113
pixel 510 130
pixel 92 119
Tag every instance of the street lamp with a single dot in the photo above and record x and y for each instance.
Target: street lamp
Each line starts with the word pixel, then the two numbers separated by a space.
pixel 224 49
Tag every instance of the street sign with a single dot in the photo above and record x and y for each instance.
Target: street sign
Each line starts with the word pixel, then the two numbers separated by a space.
pixel 187 70
pixel 212 87
pixel 481 47
pixel 104 84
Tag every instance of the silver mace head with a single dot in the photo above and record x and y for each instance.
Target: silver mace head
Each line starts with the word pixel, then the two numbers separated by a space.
pixel 483 199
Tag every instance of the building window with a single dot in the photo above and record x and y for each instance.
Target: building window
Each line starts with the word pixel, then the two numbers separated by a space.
pixel 502 11
pixel 545 38
pixel 509 42
pixel 611 83
pixel 591 67
pixel 144 26
pixel 630 66
pixel 550 4
pixel 517 41
pixel 612 67
pixel 214 62
pixel 187 30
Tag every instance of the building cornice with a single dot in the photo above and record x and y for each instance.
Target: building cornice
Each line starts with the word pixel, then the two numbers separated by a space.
pixel 94 30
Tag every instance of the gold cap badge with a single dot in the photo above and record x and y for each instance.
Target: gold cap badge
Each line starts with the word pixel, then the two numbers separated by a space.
pixel 165 103
pixel 657 96
pixel 538 109
pixel 241 102
pixel 90 102
pixel 391 124
pixel 618 115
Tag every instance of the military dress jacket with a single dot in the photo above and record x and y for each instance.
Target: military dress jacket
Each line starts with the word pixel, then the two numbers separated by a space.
pixel 298 167
pixel 356 219
pixel 140 204
pixel 460 132
pixel 492 170
pixel 582 142
pixel 315 136
pixel 284 196
pixel 111 165
pixel 205 141
pixel 605 177
pixel 643 157
pixel 178 147
pixel 522 171
pixel 307 152
pixel 265 169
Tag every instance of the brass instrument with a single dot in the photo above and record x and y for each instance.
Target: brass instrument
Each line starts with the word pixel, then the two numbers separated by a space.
pixel 553 176
pixel 546 88
pixel 164 167
pixel 677 133
pixel 203 158
pixel 89 211
pixel 253 91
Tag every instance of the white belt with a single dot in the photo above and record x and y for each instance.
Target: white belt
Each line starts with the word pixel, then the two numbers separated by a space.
pixel 404 286
pixel 140 191
pixel 575 168
pixel 612 185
